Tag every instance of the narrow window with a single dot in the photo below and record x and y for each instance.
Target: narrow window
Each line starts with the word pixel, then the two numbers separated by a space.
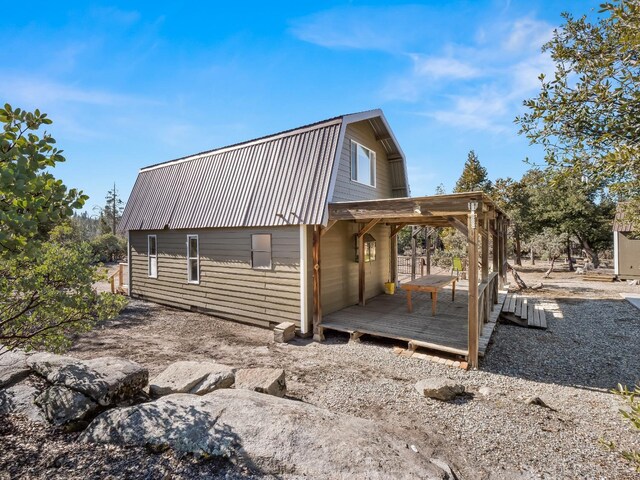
pixel 193 259
pixel 261 251
pixel 363 164
pixel 152 255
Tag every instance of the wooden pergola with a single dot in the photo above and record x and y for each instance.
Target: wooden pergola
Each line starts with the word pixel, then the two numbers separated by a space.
pixel 474 214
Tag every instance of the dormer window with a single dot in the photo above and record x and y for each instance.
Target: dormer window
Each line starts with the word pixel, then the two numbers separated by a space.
pixel 363 164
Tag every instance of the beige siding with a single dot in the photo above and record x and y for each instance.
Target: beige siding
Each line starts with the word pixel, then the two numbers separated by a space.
pixel 345 189
pixel 629 257
pixel 228 287
pixel 339 280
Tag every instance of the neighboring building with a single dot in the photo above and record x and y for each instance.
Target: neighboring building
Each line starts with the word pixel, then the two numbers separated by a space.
pixel 229 231
pixel 626 247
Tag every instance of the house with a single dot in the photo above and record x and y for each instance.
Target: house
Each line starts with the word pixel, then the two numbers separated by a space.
pixel 229 231
pixel 626 247
pixel 294 226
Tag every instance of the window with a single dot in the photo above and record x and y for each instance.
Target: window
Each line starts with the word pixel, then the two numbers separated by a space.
pixel 369 248
pixel 363 164
pixel 152 255
pixel 261 251
pixel 193 259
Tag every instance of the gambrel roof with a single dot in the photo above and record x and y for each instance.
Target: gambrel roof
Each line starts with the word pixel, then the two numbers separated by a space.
pixel 281 179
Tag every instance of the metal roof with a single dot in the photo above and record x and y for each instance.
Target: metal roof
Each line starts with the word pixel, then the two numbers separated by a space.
pixel 281 179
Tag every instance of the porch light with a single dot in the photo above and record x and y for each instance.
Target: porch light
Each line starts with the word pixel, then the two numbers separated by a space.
pixel 417 210
pixel 369 248
pixel 473 205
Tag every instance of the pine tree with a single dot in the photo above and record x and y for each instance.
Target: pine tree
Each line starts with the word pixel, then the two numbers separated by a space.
pixel 473 177
pixel 111 213
pixel 440 190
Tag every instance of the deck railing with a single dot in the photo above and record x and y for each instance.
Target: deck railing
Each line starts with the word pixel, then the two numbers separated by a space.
pixel 487 298
pixel 116 279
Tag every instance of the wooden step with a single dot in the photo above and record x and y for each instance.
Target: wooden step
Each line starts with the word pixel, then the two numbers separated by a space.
pixel 524 312
pixel 597 277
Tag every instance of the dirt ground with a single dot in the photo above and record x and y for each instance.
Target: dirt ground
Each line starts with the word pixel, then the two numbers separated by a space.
pixel 593 342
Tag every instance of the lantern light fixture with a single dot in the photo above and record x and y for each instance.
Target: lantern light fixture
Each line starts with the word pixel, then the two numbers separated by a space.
pixel 473 205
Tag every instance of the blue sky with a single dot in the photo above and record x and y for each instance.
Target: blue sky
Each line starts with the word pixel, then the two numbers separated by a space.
pixel 135 83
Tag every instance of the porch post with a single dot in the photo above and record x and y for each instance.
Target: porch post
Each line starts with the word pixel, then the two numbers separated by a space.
pixel 494 244
pixel 429 252
pixel 361 273
pixel 485 248
pixel 318 335
pixel 413 252
pixel 393 259
pixel 472 249
pixel 500 252
pixel 504 250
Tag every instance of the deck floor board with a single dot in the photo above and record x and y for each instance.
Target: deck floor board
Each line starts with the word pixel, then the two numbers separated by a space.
pixel 387 316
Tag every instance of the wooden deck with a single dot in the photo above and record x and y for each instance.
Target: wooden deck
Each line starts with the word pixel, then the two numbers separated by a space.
pixel 387 316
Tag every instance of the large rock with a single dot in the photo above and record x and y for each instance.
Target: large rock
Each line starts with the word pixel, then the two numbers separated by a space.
pixel 106 380
pixel 192 377
pixel 263 380
pixel 439 388
pixel 13 366
pixel 63 406
pixel 20 399
pixel 269 435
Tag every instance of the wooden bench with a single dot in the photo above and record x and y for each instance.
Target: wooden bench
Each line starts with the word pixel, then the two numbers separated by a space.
pixel 430 284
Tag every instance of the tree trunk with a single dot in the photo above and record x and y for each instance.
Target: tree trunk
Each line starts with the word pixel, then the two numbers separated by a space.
pixel 516 278
pixel 533 259
pixel 518 247
pixel 569 259
pixel 591 253
pixel 548 272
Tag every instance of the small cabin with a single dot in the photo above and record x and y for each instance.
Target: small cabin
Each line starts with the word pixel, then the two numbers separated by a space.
pixel 626 247
pixel 302 225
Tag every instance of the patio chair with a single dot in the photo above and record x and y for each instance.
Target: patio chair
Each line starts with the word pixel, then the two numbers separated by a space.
pixel 456 266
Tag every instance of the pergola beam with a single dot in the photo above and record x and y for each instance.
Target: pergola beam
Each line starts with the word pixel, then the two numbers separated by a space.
pixel 328 227
pixel 396 229
pixel 367 228
pixel 458 225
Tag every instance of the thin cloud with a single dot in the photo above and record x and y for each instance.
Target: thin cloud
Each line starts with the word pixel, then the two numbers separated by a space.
pixel 361 28
pixel 492 76
pixel 527 34
pixel 43 92
pixel 477 112
pixel 443 67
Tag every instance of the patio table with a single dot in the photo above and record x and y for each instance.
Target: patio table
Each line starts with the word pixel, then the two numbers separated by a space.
pixel 431 284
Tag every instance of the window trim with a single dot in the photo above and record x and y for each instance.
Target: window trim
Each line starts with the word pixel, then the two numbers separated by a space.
pixel 270 267
pixel 189 258
pixel 149 256
pixel 373 161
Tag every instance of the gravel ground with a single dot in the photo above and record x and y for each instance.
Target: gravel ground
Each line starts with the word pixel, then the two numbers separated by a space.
pixel 593 342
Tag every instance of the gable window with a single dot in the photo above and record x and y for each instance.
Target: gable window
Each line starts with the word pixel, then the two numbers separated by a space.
pixel 193 259
pixel 261 251
pixel 152 255
pixel 363 164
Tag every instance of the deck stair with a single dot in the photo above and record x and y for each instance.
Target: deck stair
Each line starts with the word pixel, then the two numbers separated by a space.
pixel 523 311
pixel 598 277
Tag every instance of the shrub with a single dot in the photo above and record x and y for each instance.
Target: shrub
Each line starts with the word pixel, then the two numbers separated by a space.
pixel 109 248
